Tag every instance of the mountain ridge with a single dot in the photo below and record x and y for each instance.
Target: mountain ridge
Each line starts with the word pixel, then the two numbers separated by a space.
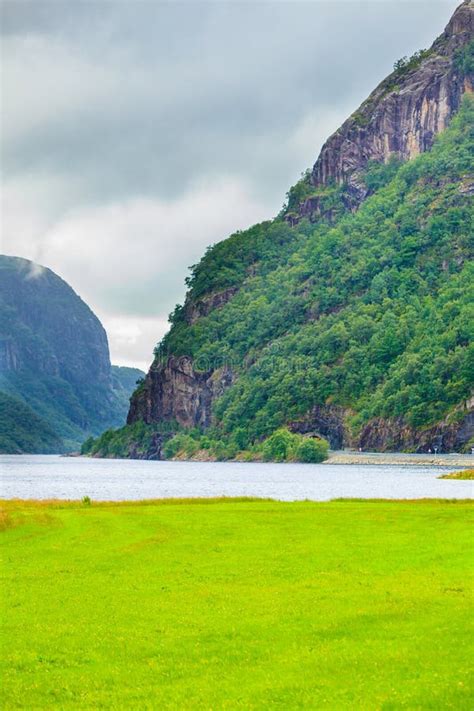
pixel 399 119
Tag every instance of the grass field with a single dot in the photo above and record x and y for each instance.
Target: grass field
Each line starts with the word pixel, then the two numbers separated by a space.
pixel 237 605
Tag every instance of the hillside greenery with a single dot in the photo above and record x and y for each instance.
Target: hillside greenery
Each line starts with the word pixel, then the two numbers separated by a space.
pixel 56 404
pixel 139 441
pixel 124 382
pixel 118 443
pixel 126 378
pixel 372 311
pixel 22 431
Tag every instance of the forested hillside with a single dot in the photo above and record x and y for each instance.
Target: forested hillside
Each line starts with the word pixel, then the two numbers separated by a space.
pixel 349 321
pixel 21 430
pixel 374 313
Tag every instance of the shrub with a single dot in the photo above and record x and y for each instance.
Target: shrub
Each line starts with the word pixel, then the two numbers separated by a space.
pixel 284 445
pixel 312 450
pixel 406 63
pixel 205 442
pixel 172 446
pixel 279 446
pixel 225 450
pixel 180 444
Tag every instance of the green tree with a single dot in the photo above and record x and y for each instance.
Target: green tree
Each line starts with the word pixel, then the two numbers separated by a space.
pixel 312 450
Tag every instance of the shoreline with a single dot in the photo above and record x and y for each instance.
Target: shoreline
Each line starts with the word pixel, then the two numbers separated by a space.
pixel 450 460
pixel 53 503
pixel 401 459
pixel 453 459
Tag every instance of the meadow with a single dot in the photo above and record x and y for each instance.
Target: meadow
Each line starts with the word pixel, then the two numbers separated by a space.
pixel 236 604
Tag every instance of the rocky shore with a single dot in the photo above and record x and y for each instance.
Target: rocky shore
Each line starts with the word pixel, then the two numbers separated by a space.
pixel 401 459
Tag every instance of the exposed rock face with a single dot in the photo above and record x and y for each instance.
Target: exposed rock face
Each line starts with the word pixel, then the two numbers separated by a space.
pixel 175 391
pixel 400 118
pixel 330 421
pixel 325 421
pixel 195 310
pixel 387 435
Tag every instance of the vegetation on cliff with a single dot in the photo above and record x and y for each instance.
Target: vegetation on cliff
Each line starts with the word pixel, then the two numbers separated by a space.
pixel 369 312
pixel 350 314
pixel 167 440
pixel 372 312
pixel 465 58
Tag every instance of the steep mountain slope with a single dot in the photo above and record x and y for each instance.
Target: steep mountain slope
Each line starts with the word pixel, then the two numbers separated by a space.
pixel 350 315
pixel 124 383
pixel 22 431
pixel 54 355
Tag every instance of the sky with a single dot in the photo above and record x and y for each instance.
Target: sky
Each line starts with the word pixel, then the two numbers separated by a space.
pixel 135 133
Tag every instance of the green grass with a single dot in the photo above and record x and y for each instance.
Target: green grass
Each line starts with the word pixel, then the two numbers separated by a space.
pixel 237 605
pixel 464 474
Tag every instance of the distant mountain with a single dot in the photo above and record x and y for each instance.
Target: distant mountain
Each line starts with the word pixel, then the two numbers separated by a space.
pixel 21 430
pixel 124 383
pixel 350 314
pixel 54 358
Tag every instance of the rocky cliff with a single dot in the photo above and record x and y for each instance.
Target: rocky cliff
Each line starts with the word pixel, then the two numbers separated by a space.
pixel 393 434
pixel 175 391
pixel 54 354
pixel 298 286
pixel 399 119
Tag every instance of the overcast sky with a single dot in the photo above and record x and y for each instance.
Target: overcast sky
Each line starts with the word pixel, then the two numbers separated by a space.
pixel 135 133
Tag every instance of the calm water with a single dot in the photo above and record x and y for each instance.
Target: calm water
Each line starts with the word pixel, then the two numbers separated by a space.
pixel 44 477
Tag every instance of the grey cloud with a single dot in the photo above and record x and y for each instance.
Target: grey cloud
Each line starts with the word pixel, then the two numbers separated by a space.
pixel 108 103
pixel 170 91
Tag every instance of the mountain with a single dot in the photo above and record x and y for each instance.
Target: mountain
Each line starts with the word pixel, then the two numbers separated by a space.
pixel 54 358
pixel 399 119
pixel 350 314
pixel 21 430
pixel 124 383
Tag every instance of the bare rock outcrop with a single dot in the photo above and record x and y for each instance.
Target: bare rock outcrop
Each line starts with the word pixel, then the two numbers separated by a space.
pixel 195 310
pixel 328 421
pixel 400 118
pixel 396 435
pixel 175 391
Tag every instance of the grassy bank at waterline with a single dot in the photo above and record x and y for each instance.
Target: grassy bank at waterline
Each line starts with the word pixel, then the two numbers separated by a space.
pixel 463 475
pixel 237 604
